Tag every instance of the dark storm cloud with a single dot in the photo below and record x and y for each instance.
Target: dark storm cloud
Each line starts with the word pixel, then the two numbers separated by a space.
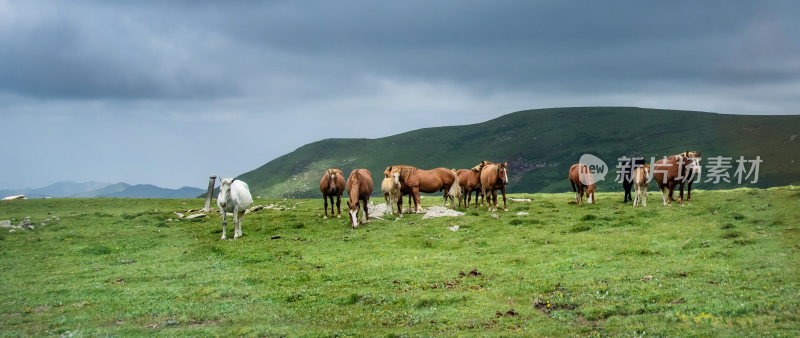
pixel 201 50
pixel 141 81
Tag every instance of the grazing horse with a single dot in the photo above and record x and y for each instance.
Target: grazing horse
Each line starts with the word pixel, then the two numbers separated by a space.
pixel 391 191
pixel 359 188
pixel 493 177
pixel 413 181
pixel 470 180
pixel 332 184
pixel 581 178
pixel 694 172
pixel 640 181
pixel 674 170
pixel 628 166
pixel 234 196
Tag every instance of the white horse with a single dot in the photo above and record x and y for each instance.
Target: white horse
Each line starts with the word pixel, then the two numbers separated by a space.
pixel 391 191
pixel 234 196
pixel 641 179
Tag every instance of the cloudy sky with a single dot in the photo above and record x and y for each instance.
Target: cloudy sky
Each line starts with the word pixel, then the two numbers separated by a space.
pixel 168 92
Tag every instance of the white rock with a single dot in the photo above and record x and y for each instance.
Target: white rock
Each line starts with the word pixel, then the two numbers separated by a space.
pixel 437 211
pixel 378 210
pixel 519 199
pixel 453 228
pixel 196 216
pixel 15 197
pixel 522 213
pixel 180 215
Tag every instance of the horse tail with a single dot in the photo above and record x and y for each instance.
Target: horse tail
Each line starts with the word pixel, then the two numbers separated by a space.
pixel 455 189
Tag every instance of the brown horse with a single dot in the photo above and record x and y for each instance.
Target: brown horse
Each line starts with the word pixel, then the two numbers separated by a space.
pixel 694 172
pixel 470 180
pixel 332 184
pixel 359 188
pixel 413 181
pixel 493 177
pixel 675 170
pixel 581 178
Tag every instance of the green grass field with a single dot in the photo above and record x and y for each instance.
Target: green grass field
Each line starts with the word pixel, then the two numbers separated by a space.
pixel 726 264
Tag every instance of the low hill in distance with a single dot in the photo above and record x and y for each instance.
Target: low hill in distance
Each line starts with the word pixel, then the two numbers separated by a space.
pixel 540 145
pixel 98 189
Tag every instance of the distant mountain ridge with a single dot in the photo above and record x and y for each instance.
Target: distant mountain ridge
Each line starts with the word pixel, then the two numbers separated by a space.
pixel 541 144
pixel 99 189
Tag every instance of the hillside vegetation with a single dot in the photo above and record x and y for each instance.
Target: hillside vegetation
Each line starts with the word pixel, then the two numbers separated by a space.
pixel 724 265
pixel 540 145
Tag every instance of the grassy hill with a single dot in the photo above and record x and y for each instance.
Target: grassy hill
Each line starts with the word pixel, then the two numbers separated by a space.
pixel 540 145
pixel 724 265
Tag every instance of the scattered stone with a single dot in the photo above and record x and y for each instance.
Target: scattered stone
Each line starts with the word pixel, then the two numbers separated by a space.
pixel 714 212
pixel 437 211
pixel 81 304
pixel 126 261
pixel 453 228
pixel 647 278
pixel 200 215
pixel 255 208
pixel 15 197
pixel 26 223
pixel 378 210
pixel 519 199
pixel 180 215
pixel 495 216
pixel 522 213
pixel 5 224
pixel 275 237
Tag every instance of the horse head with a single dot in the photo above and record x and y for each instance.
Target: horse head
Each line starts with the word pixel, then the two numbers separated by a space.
pixel 590 194
pixel 502 172
pixel 387 172
pixel 224 191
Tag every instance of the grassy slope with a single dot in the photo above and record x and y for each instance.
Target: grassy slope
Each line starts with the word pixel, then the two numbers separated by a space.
pixel 726 264
pixel 540 145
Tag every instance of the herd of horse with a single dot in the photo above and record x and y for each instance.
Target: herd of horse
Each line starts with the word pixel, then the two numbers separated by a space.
pixel 484 179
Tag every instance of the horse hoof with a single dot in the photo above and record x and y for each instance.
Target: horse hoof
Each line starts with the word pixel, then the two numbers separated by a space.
pixel 340 216
pixel 223 237
pixel 324 217
pixel 505 209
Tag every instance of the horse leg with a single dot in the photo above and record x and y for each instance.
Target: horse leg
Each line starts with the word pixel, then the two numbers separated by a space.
pixel 417 206
pixel 325 199
pixel 574 190
pixel 338 206
pixel 224 221
pixel 239 224
pixel 689 190
pixel 236 222
pixel 644 196
pixel 681 193
pixel 366 212
pixel 503 190
pixel 636 189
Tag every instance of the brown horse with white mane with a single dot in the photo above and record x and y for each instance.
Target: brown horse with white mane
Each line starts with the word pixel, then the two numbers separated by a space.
pixel 675 170
pixel 332 185
pixel 414 180
pixel 493 177
pixel 359 188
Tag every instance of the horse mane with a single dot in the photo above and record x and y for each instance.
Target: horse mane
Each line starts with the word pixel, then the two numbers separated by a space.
pixel 404 170
pixel 481 165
